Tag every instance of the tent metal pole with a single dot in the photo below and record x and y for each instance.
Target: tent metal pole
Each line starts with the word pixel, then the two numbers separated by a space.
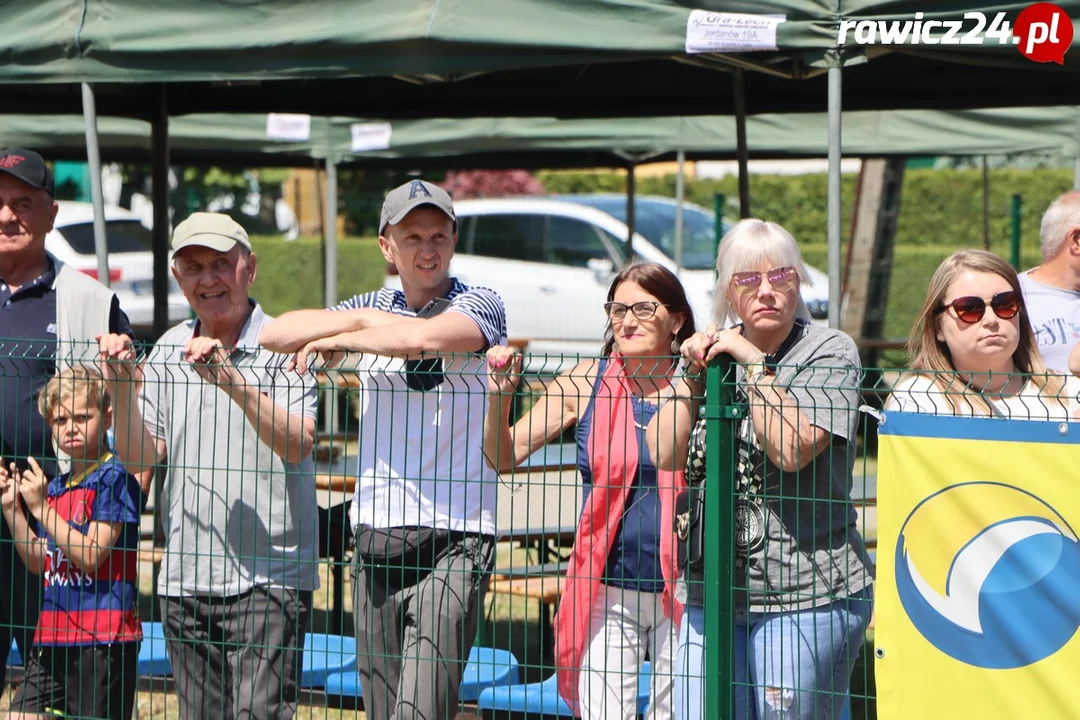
pixel 986 203
pixel 741 150
pixel 835 296
pixel 680 196
pixel 330 234
pixel 159 173
pixel 93 159
pixel 631 191
pixel 330 395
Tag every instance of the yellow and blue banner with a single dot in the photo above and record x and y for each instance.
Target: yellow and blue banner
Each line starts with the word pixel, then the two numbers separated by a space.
pixel 978 568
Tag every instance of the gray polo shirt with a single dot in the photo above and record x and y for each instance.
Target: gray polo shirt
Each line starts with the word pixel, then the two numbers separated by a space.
pixel 797 541
pixel 235 514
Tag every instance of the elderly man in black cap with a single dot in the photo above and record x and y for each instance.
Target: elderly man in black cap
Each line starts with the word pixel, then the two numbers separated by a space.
pixel 50 315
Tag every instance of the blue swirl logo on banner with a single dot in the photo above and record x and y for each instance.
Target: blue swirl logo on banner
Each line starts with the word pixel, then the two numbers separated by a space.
pixel 990 575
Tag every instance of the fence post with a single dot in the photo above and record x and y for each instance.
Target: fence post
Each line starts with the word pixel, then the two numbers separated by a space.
pixel 721 420
pixel 1014 238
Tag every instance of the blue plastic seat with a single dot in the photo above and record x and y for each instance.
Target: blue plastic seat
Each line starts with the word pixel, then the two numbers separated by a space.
pixel 543 698
pixel 487 668
pixel 153 652
pixel 326 655
pixel 323 655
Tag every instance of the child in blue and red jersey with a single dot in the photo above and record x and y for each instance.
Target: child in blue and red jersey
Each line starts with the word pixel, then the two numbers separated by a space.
pixel 82 536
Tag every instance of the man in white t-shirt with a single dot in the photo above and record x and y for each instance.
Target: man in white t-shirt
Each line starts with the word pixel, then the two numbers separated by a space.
pixel 1052 290
pixel 423 511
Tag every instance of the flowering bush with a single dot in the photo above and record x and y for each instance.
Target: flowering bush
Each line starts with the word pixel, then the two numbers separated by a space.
pixel 466 184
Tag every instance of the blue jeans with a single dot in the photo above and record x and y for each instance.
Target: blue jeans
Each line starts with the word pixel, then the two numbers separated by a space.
pixel 788 666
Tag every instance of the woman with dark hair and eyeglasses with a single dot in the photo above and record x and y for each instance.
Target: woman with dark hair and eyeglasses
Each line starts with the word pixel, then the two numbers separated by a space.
pixel 973 351
pixel 802 592
pixel 618 599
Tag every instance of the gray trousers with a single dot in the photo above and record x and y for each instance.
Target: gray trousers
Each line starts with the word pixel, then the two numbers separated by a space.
pixel 413 642
pixel 239 656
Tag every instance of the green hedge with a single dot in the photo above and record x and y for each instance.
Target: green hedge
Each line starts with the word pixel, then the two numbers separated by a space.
pixel 941 210
pixel 290 273
pixel 937 207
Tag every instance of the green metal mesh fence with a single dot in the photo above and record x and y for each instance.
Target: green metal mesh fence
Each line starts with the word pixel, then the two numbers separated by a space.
pixel 253 563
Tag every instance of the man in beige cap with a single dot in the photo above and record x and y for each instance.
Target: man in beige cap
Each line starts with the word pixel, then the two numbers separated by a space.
pixel 238 495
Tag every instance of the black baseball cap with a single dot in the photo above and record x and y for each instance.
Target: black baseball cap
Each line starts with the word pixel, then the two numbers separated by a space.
pixel 29 167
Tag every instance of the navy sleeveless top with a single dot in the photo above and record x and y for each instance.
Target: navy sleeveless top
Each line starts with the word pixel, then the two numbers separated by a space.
pixel 634 560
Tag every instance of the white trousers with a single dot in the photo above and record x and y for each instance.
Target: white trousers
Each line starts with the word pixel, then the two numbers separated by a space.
pixel 622 624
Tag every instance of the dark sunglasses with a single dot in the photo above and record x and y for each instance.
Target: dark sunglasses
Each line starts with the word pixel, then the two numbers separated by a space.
pixel 642 310
pixel 971 309
pixel 779 278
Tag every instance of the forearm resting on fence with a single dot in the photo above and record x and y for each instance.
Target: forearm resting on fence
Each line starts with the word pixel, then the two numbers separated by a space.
pixel 30 547
pixel 790 441
pixel 450 332
pixel 295 329
pixel 136 448
pixel 291 437
pixel 508 447
pixel 86 552
pixel 668 433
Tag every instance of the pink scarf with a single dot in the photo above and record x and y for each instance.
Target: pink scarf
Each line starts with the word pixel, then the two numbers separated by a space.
pixel 613 458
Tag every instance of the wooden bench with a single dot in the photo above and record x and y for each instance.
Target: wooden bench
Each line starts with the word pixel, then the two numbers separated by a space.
pixel 547 589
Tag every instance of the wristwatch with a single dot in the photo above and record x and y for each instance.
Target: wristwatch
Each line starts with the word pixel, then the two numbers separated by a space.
pixel 759 367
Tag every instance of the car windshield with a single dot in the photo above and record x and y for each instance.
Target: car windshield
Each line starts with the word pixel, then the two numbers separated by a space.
pixel 122 236
pixel 655 221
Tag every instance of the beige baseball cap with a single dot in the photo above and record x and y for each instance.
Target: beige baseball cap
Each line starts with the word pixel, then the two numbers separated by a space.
pixel 213 230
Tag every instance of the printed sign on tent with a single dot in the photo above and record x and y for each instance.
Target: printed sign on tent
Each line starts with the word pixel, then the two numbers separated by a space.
pixel 288 126
pixel 367 137
pixel 715 32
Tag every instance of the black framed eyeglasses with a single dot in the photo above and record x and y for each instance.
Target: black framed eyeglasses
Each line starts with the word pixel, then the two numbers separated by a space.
pixel 971 308
pixel 642 310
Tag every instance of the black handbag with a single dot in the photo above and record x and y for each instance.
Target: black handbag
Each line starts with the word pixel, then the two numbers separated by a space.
pixel 690 506
pixel 405 554
pixel 690 528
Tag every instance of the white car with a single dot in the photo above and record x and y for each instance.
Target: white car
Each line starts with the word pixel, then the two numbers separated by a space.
pixel 553 259
pixel 131 270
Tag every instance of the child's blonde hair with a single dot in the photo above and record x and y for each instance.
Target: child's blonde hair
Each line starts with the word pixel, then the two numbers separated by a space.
pixel 77 381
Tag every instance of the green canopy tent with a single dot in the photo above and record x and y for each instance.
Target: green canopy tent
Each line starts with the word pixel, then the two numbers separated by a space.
pixel 598 58
pixel 244 140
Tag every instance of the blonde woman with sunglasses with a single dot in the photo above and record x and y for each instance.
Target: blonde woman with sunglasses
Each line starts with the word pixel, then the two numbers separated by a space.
pixel 802 587
pixel 973 351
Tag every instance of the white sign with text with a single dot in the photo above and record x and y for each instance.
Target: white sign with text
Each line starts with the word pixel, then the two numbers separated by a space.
pixel 719 32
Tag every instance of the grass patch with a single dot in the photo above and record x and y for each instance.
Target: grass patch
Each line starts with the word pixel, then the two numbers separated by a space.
pixel 290 273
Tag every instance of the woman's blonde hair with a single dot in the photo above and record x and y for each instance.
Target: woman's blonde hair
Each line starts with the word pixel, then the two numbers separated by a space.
pixel 748 245
pixel 77 381
pixel 930 356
